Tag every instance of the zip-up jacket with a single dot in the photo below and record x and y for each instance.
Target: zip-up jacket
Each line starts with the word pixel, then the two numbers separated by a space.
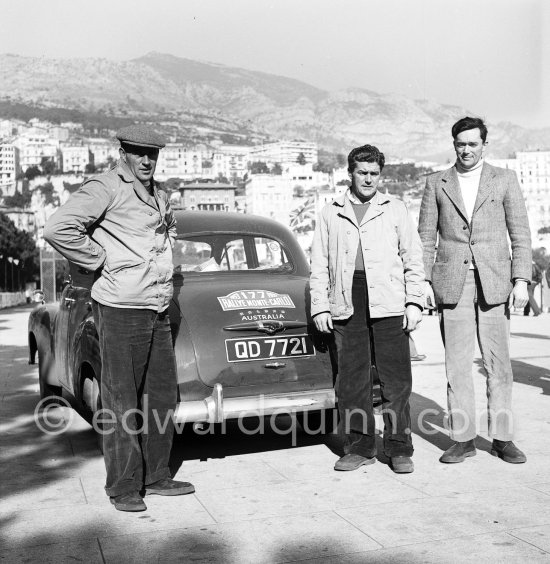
pixel 392 255
pixel 112 223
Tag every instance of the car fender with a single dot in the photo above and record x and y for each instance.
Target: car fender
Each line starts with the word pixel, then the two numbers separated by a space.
pixel 41 340
pixel 87 366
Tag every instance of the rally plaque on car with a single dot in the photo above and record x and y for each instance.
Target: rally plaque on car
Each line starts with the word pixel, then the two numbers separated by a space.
pixel 267 348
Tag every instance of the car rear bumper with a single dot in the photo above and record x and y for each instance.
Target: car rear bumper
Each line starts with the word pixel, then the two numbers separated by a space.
pixel 216 408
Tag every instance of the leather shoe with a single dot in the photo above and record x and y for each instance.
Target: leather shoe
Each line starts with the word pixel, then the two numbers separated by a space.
pixel 508 451
pixel 402 464
pixel 130 501
pixel 167 486
pixel 458 452
pixel 352 462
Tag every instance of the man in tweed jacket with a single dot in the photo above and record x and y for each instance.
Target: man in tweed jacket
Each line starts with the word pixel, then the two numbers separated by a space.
pixel 467 214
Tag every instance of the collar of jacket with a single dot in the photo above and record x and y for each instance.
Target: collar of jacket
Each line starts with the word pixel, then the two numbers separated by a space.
pixel 452 188
pixel 142 193
pixel 376 207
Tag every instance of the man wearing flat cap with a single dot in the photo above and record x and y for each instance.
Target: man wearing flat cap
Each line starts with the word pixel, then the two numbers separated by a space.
pixel 119 225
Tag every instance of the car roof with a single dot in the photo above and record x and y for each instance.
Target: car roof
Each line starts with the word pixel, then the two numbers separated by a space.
pixel 202 222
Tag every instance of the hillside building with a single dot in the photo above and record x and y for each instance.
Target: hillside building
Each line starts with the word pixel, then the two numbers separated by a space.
pixel 284 152
pixel 533 169
pixel 103 150
pixel 177 160
pixel 269 195
pixel 9 167
pixel 34 146
pixel 213 196
pixel 75 157
pixel 229 161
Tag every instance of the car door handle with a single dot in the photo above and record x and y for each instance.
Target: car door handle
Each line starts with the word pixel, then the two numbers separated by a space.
pixel 269 327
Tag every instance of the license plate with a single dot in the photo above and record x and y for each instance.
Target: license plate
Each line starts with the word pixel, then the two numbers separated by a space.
pixel 266 348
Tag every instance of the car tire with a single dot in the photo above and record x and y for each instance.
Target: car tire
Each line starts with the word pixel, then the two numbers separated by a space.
pixel 50 395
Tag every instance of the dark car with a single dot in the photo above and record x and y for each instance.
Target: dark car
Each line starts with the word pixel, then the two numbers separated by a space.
pixel 242 332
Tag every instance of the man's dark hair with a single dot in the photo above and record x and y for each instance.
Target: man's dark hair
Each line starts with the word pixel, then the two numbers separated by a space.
pixel 365 154
pixel 467 123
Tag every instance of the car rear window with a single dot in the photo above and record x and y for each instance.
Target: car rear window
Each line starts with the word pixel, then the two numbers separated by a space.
pixel 230 252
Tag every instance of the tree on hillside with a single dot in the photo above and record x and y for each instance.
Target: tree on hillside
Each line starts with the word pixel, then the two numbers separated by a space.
pixel 277 169
pixel 18 200
pixel 541 258
pixel 258 167
pixel 47 165
pixel 47 190
pixel 298 191
pixel 32 172
pixel 301 159
pixel 16 245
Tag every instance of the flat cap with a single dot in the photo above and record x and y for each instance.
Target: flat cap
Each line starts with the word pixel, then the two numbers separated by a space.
pixel 140 136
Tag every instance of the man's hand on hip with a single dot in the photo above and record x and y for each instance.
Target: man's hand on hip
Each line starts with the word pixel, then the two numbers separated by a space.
pixel 413 316
pixel 519 296
pixel 323 322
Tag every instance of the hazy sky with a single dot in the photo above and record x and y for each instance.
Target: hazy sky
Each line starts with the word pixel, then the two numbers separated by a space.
pixel 489 56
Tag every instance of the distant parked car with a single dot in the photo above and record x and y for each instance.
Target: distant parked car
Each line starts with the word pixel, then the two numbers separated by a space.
pixel 243 335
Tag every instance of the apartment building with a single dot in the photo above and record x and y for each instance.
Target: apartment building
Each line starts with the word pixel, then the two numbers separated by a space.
pixel 11 127
pixel 177 160
pixel 533 169
pixel 284 152
pixel 230 161
pixel 75 157
pixel 34 146
pixel 271 196
pixel 102 150
pixel 9 167
pixel 214 196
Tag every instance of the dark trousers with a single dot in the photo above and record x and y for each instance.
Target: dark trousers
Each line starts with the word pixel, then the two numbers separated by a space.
pixel 355 378
pixel 138 388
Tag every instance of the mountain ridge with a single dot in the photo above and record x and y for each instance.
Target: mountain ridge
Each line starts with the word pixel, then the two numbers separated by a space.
pixel 205 97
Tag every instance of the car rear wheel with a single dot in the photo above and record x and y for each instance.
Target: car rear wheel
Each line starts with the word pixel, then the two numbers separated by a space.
pixel 50 395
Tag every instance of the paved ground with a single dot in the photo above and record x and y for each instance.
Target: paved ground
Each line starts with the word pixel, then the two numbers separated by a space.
pixel 275 498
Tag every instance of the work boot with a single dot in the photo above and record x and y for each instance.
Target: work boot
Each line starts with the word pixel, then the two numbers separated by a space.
pixel 459 452
pixel 130 501
pixel 352 462
pixel 401 464
pixel 508 451
pixel 167 486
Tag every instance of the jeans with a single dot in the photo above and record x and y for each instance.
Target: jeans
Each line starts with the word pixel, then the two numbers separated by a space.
pixel 139 386
pixel 459 324
pixel 355 378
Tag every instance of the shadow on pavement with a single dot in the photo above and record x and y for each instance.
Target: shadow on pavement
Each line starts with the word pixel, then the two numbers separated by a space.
pixel 525 373
pixel 532 375
pixel 530 335
pixel 235 438
pixel 428 418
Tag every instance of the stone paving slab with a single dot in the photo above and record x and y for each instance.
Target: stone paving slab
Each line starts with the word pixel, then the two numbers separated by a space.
pixel 320 494
pixel 88 552
pixel 537 536
pixel 452 516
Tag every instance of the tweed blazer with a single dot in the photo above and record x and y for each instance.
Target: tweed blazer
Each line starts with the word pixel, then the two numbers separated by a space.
pixel 497 237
